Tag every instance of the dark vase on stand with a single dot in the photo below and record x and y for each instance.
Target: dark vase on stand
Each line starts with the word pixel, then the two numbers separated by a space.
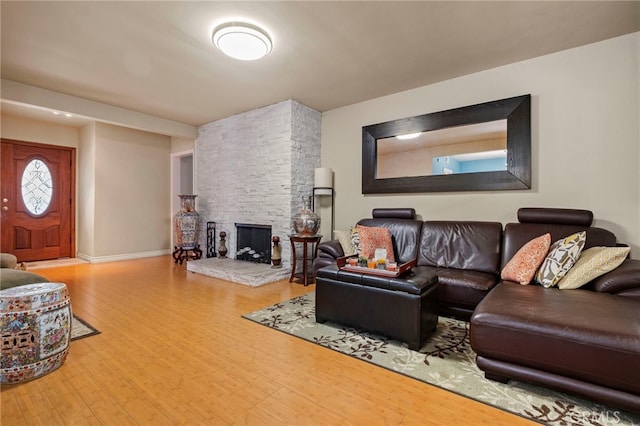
pixel 223 246
pixel 186 225
pixel 276 253
pixel 306 222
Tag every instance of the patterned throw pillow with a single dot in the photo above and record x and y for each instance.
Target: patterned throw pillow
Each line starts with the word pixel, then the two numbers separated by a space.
pixel 355 240
pixel 373 238
pixel 524 264
pixel 562 255
pixel 593 262
pixel 345 241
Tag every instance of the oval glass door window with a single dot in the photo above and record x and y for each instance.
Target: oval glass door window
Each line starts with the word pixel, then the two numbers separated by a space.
pixel 37 187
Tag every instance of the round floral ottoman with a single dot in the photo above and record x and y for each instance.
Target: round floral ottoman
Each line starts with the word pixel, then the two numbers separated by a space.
pixel 35 327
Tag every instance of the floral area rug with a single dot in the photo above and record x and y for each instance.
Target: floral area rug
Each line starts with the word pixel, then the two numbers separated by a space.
pixel 446 361
pixel 81 329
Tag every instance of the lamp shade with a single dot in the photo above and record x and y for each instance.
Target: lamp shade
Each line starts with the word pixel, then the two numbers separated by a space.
pixel 323 181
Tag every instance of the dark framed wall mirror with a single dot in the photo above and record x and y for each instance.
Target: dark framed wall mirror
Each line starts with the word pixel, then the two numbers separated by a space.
pixel 483 147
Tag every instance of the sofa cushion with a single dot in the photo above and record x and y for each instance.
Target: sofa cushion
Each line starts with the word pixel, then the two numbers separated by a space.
pixel 578 334
pixel 469 245
pixel 405 234
pixel 373 238
pixel 562 256
pixel 461 288
pixel 524 264
pixel 592 263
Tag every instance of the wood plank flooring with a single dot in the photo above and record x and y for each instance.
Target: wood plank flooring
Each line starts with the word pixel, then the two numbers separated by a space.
pixel 174 350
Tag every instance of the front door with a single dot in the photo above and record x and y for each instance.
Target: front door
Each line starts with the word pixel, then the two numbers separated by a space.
pixel 37 201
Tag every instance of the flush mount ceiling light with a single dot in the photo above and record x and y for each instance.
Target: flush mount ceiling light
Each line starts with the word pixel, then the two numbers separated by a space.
pixel 242 41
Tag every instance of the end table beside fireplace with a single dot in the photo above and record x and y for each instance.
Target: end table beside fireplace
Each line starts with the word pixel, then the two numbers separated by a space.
pixel 305 240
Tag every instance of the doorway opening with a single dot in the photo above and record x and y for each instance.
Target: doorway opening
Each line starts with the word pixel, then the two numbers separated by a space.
pixel 182 180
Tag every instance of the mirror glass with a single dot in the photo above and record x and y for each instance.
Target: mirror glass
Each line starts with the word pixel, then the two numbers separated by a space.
pixel 479 147
pixel 463 149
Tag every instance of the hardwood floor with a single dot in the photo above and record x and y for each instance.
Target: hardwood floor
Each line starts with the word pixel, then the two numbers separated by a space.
pixel 175 350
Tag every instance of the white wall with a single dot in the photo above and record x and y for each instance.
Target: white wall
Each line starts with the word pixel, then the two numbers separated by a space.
pixel 585 137
pixel 182 144
pixel 86 199
pixel 30 130
pixel 132 190
pixel 186 175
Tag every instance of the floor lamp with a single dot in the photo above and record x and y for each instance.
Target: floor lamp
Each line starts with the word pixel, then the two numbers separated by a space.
pixel 322 186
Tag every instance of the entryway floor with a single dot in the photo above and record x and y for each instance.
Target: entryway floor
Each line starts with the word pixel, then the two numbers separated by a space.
pixel 67 261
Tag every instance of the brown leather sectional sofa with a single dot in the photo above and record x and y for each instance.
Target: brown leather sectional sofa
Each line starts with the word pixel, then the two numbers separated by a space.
pixel 584 341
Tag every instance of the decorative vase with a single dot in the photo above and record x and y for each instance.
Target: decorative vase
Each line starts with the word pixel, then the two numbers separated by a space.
pixel 35 322
pixel 186 224
pixel 306 221
pixel 276 253
pixel 223 246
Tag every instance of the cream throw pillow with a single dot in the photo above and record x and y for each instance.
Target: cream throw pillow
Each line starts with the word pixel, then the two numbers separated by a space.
pixel 345 241
pixel 592 263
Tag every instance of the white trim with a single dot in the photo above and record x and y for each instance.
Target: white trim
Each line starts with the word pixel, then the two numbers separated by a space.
pixel 128 256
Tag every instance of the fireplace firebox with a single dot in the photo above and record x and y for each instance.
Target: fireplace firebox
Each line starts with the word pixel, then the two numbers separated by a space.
pixel 253 243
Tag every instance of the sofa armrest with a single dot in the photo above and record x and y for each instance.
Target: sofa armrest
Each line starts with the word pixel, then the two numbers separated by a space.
pixel 331 249
pixel 328 252
pixel 623 279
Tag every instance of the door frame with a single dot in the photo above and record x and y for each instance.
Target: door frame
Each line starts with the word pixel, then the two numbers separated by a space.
pixel 74 189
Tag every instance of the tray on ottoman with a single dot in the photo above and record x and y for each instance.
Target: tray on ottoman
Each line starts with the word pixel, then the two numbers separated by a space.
pixel 341 262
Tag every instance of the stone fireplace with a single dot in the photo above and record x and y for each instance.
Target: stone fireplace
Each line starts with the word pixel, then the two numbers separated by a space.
pixel 254 168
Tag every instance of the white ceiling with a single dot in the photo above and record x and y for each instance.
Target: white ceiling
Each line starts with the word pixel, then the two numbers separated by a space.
pixel 157 57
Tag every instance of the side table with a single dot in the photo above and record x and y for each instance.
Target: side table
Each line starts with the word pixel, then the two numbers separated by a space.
pixel 305 240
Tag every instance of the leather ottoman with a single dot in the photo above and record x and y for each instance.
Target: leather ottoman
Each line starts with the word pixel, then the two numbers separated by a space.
pixel 403 308
pixel 35 330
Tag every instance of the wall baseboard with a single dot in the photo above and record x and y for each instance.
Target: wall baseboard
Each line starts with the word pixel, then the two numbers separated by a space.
pixel 118 257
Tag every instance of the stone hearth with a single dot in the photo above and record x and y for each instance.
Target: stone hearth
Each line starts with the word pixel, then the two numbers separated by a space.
pixel 238 271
